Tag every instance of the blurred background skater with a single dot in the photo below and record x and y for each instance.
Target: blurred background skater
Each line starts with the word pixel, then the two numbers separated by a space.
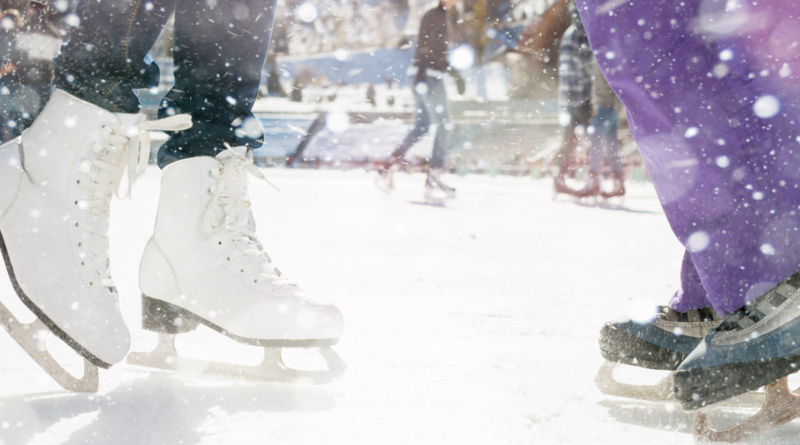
pixel 574 99
pixel 426 76
pixel 32 32
pixel 603 139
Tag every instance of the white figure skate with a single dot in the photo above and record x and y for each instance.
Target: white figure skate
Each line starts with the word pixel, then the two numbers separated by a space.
pixel 204 265
pixel 385 178
pixel 56 183
pixel 436 191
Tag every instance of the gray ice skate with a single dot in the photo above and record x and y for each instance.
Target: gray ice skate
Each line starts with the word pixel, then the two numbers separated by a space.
pixel 661 345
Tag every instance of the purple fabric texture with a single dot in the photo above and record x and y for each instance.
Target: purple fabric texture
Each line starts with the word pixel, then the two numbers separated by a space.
pixel 712 91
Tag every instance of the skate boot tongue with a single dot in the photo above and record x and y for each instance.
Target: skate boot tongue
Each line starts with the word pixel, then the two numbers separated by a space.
pixel 229 210
pixel 234 199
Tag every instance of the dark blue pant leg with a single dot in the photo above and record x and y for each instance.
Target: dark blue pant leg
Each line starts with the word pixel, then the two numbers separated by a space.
pixel 219 56
pixel 104 59
pixel 422 123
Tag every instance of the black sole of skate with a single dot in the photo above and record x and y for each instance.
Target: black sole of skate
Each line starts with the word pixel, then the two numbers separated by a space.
pixel 160 316
pixel 43 317
pixel 621 347
pixel 696 388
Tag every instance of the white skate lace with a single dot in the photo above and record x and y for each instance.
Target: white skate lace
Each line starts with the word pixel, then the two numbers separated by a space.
pixel 231 198
pixel 106 171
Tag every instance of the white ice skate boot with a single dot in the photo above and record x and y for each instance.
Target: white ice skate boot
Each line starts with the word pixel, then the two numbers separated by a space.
pixel 204 265
pixel 385 178
pixel 435 189
pixel 56 183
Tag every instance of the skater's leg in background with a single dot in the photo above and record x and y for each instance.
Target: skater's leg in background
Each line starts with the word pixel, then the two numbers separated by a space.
pixel 605 139
pixel 440 110
pixel 596 146
pixel 700 135
pixel 104 59
pixel 578 117
pixel 219 57
pixel 568 143
pixel 422 123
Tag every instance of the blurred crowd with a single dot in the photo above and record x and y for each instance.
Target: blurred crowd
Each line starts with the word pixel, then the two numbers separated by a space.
pixel 310 27
pixel 523 38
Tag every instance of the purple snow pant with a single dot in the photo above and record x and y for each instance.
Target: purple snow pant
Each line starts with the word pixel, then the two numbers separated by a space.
pixel 712 90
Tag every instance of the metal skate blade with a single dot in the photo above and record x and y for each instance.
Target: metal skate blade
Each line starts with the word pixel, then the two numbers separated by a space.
pixel 780 406
pixel 607 384
pixel 31 337
pixel 271 369
pixel 663 390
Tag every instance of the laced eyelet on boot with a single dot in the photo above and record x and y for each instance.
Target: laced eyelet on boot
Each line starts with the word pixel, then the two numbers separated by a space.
pixel 230 199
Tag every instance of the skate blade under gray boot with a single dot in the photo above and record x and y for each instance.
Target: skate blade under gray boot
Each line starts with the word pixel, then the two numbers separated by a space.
pixel 661 344
pixel 756 346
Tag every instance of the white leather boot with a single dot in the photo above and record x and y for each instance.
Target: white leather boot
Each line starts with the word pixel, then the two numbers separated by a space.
pixel 435 189
pixel 204 265
pixel 56 183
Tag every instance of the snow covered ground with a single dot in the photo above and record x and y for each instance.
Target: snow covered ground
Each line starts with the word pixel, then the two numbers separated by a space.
pixel 474 323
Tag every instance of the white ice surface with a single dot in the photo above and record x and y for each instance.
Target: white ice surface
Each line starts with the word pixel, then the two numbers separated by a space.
pixel 474 323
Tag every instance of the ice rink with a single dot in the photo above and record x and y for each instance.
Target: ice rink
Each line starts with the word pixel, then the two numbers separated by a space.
pixel 472 323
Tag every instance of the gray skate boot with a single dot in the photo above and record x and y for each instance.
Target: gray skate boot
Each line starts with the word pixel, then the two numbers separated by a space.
pixel 661 345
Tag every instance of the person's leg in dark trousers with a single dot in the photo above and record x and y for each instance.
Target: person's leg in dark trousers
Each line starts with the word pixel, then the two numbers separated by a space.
pixel 105 58
pixel 579 117
pixel 422 123
pixel 440 110
pixel 219 57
